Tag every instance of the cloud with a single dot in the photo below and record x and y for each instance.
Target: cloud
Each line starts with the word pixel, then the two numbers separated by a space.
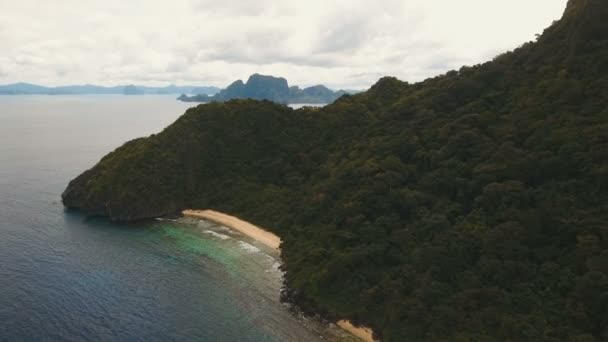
pixel 259 8
pixel 340 43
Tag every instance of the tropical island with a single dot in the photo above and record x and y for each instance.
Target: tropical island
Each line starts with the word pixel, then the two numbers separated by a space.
pixel 276 89
pixel 471 206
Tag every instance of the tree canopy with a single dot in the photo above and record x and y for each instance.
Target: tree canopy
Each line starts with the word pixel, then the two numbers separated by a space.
pixel 472 206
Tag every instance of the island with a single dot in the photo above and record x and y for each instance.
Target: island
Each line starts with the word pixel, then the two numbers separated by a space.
pixel 276 89
pixel 471 206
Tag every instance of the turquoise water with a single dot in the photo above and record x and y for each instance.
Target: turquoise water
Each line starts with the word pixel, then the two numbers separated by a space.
pixel 64 277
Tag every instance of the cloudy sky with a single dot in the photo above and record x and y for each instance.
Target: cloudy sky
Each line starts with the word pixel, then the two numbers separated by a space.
pixel 340 43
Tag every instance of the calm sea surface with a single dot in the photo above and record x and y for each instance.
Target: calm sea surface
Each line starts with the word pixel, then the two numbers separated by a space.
pixel 67 278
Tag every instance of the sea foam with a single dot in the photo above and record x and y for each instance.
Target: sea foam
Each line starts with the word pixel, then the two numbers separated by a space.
pixel 249 248
pixel 218 235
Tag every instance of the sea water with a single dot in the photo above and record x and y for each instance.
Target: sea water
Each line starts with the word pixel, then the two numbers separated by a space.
pixel 64 277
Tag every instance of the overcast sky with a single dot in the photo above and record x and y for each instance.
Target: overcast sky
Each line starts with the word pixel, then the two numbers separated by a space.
pixel 341 43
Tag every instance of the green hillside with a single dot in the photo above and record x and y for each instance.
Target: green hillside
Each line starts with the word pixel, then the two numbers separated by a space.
pixel 472 206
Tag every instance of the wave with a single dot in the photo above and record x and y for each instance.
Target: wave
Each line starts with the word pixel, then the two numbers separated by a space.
pixel 249 248
pixel 165 219
pixel 218 235
pixel 203 224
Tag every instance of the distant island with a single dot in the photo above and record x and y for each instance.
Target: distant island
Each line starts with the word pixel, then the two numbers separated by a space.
pixel 89 89
pixel 276 89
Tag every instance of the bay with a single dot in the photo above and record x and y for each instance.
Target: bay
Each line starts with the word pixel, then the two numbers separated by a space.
pixel 64 277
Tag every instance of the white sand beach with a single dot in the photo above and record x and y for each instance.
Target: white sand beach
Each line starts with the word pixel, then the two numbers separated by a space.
pixel 363 333
pixel 265 237
pixel 272 241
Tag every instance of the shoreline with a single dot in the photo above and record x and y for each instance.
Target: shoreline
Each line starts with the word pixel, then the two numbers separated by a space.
pixel 261 235
pixel 364 333
pixel 273 242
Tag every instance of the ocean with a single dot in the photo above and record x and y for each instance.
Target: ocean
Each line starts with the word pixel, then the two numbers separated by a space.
pixel 65 277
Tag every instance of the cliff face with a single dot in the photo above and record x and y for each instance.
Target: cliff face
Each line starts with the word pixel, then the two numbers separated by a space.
pixel 125 198
pixel 261 87
pixel 470 206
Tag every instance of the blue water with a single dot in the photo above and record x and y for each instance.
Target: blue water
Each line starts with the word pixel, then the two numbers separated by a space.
pixel 64 277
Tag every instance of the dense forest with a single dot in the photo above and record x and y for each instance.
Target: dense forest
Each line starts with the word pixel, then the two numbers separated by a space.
pixel 472 206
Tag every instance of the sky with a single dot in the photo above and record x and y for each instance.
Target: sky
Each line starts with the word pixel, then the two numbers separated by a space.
pixel 339 43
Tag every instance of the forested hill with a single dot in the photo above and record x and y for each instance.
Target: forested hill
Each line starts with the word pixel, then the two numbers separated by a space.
pixel 472 206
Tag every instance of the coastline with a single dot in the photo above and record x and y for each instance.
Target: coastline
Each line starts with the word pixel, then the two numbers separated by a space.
pixel 272 241
pixel 365 334
pixel 263 236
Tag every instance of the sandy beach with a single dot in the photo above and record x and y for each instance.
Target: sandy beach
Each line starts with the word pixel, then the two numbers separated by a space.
pixel 272 241
pixel 363 333
pixel 265 237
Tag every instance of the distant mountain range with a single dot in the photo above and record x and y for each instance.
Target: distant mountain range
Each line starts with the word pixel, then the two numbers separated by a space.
pixel 261 87
pixel 88 89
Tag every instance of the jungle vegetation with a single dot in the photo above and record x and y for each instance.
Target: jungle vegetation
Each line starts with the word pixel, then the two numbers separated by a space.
pixel 472 206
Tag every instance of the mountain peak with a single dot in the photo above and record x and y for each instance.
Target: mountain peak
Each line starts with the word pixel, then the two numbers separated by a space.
pixel 387 85
pixel 576 5
pixel 266 78
pixel 586 18
pixel 577 42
